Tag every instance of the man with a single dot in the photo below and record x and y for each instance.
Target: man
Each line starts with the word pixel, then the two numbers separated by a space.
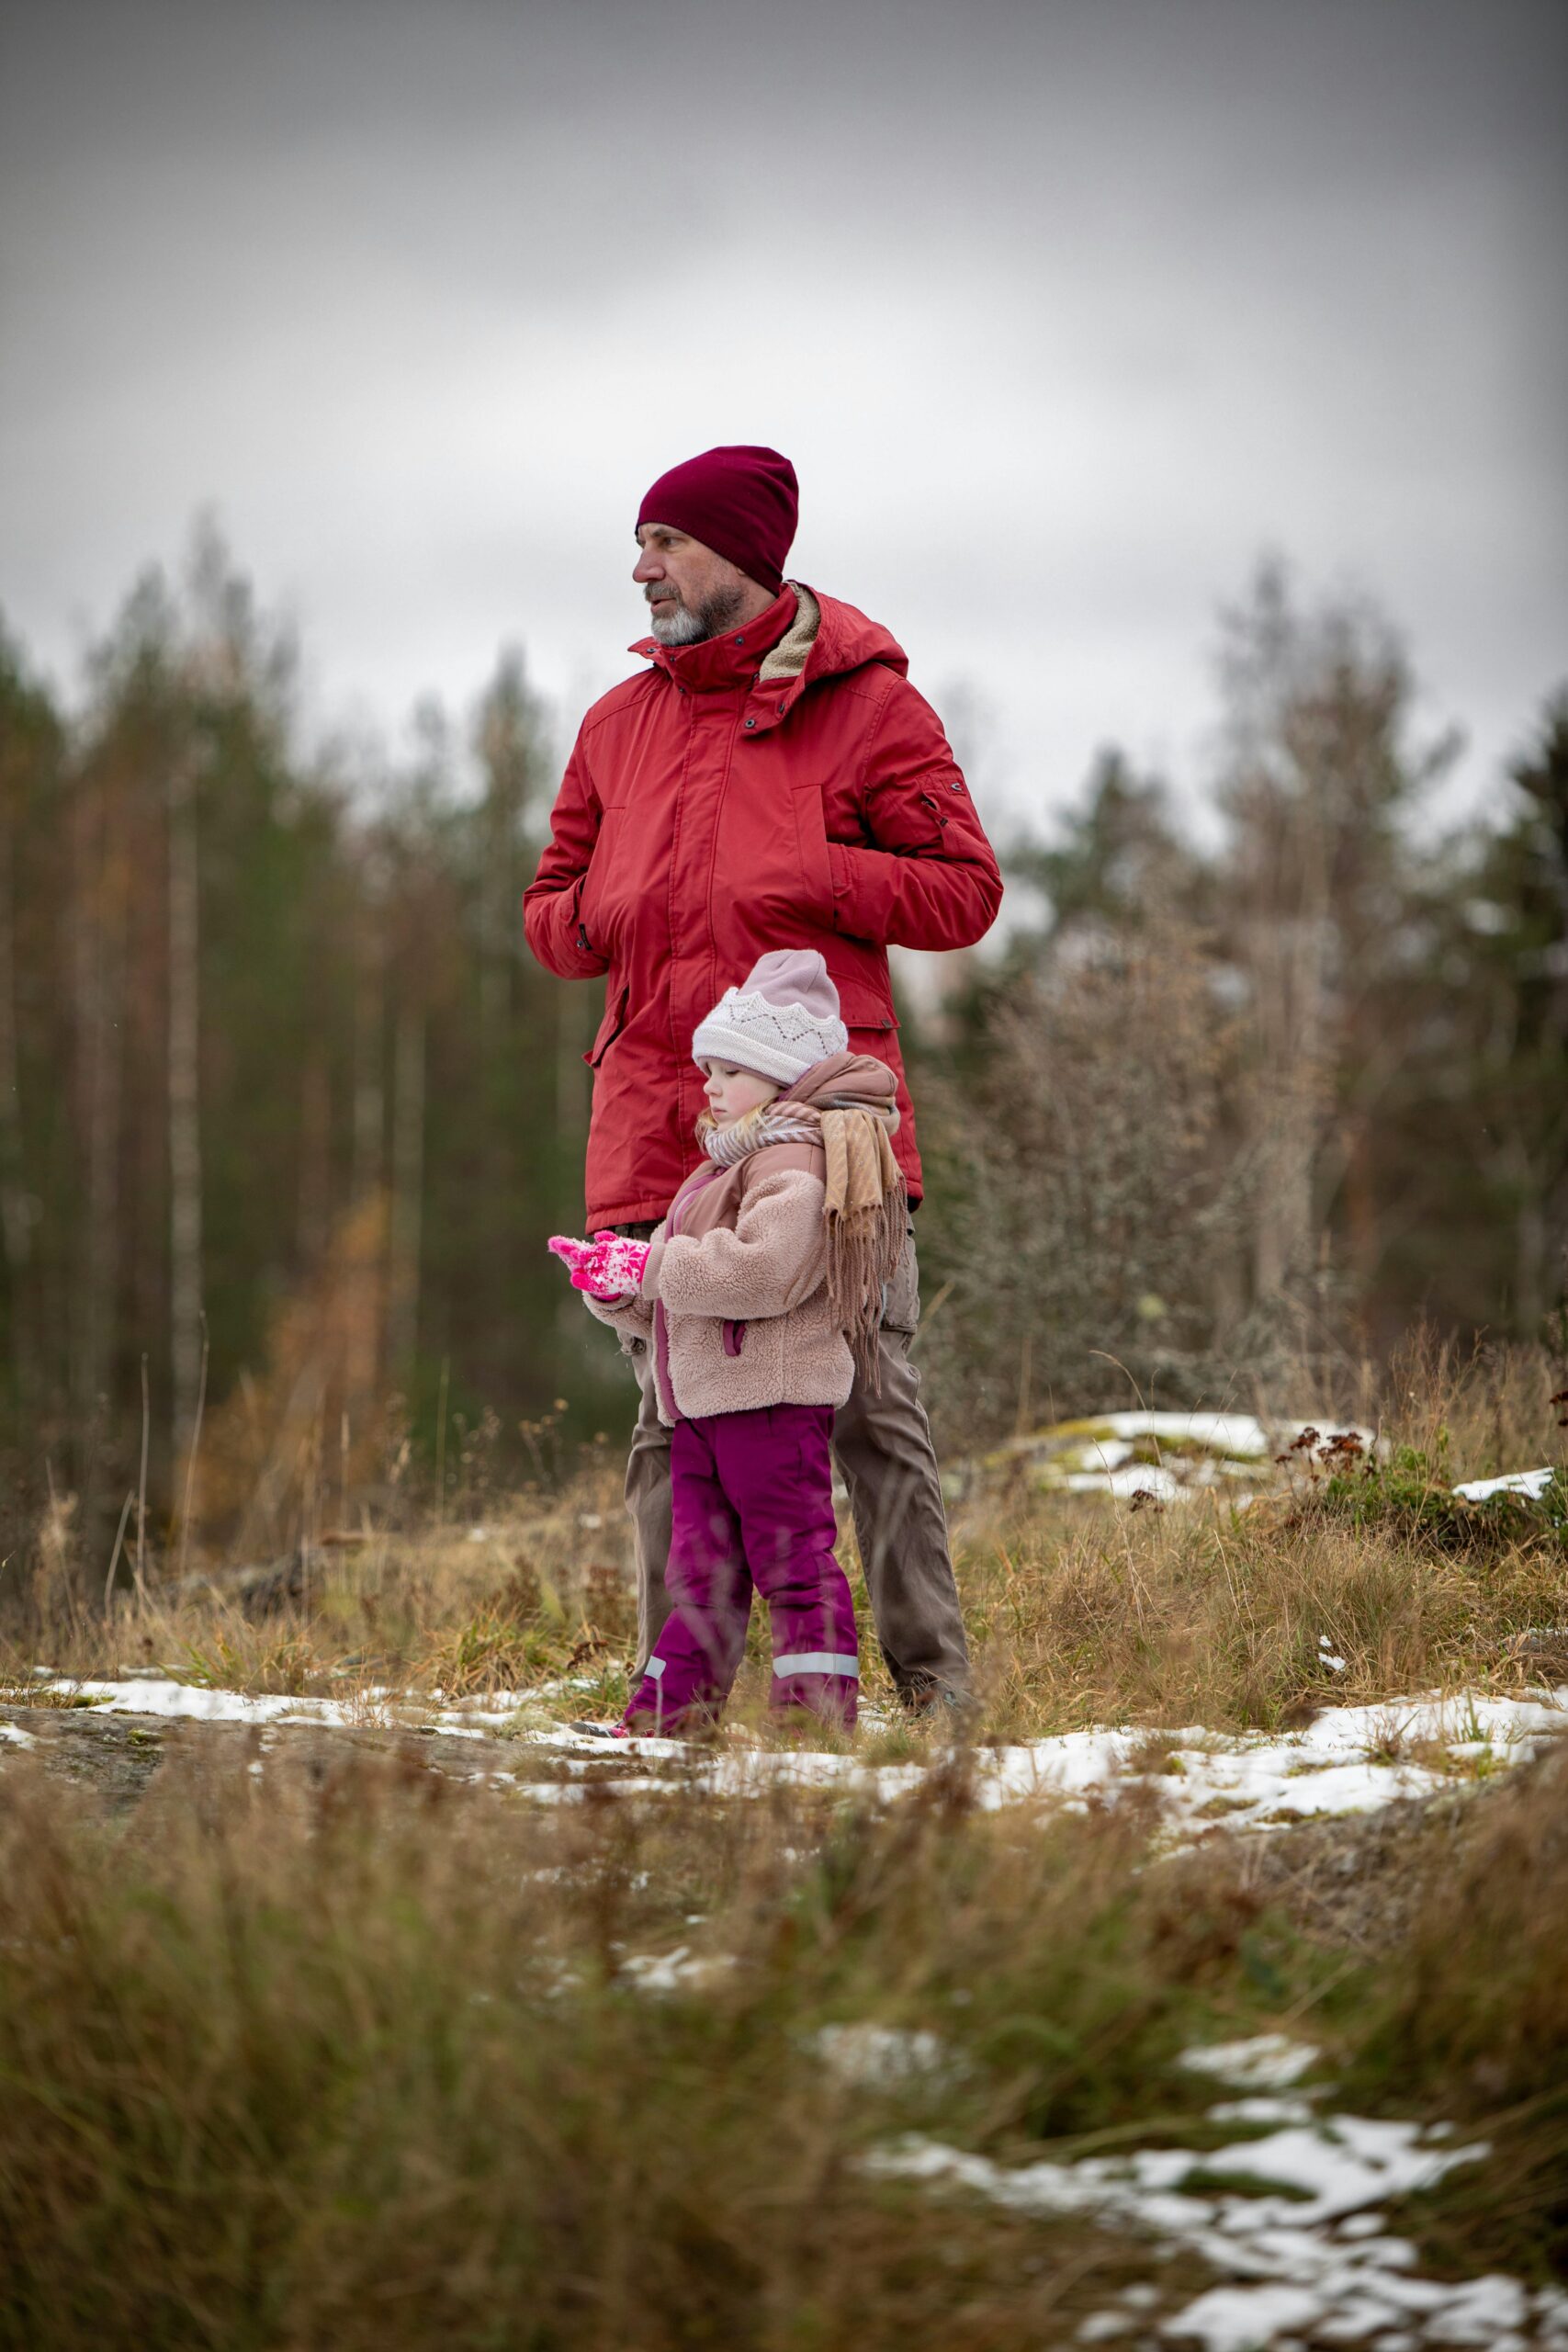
pixel 771 780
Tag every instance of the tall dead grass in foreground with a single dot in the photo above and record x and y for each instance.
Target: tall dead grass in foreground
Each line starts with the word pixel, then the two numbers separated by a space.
pixel 370 2061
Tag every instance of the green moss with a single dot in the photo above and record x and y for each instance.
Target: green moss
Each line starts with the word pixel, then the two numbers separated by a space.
pixel 1411 1492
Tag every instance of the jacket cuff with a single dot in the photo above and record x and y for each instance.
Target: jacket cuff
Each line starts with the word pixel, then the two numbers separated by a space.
pixel 648 1286
pixel 585 960
pixel 850 873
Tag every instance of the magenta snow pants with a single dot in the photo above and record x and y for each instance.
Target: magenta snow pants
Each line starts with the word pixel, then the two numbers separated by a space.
pixel 752 1504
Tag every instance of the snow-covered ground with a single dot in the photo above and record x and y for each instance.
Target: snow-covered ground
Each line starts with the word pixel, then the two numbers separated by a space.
pixel 1194 1453
pixel 1348 1759
pixel 1176 1457
pixel 1307 2254
pixel 1287 2209
pixel 158 1694
pixel 1532 1484
pixel 1303 2249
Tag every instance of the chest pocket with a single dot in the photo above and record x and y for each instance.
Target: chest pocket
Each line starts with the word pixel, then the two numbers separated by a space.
pixel 811 849
pixel 771 866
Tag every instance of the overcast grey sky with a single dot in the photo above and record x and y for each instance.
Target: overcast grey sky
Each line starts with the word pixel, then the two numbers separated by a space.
pixel 1064 313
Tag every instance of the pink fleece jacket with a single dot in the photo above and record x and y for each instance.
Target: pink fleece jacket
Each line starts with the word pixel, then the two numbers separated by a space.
pixel 745 1308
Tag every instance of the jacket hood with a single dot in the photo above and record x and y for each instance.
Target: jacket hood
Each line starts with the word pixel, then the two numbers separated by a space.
pixel 842 639
pixel 800 637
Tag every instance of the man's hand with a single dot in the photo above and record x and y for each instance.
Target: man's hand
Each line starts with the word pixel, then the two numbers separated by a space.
pixel 608 1267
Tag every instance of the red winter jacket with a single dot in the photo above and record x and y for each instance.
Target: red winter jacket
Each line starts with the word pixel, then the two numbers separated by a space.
pixel 783 785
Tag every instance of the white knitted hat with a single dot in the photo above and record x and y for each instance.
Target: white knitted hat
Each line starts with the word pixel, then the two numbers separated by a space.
pixel 780 1022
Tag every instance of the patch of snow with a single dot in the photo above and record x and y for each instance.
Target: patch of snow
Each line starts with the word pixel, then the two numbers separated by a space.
pixel 163 1695
pixel 1109 1453
pixel 1313 2256
pixel 884 2057
pixel 1250 1781
pixel 1551 2314
pixel 1238 1433
pixel 1241 2319
pixel 1533 1483
pixel 1348 1760
pixel 1143 1478
pixel 583 1743
pixel 1491 2312
pixel 668 1971
pixel 16 1736
pixel 1096 1457
pixel 1265 2061
pixel 555 1687
pixel 199 1703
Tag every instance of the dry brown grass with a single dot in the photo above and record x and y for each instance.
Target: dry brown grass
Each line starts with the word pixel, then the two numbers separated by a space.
pixel 1475 1410
pixel 1081 1609
pixel 1200 1615
pixel 1079 1613
pixel 535 1587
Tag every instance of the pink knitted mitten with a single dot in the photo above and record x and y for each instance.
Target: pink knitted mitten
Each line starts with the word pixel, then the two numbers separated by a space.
pixel 607 1267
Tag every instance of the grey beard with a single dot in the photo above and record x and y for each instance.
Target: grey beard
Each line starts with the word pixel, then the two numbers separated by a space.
pixel 710 618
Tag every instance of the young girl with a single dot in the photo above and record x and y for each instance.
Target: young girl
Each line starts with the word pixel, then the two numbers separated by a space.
pixel 761 1293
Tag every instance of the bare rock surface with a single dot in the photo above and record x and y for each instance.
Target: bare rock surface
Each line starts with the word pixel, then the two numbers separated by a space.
pixel 114 1757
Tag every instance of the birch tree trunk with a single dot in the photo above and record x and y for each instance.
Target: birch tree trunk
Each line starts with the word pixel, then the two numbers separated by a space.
pixel 15 1229
pixel 367 1220
pixel 100 947
pixel 185 1101
pixel 408 1183
pixel 369 1104
pixel 315 1160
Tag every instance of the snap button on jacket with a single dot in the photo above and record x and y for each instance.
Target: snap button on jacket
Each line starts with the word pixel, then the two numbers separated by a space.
pixel 713 808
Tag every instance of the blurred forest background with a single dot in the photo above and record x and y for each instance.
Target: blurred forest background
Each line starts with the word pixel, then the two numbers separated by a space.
pixel 287 1111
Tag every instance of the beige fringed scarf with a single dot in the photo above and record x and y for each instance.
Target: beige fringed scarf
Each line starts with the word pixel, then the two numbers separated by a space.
pixel 853 1117
pixel 865 1211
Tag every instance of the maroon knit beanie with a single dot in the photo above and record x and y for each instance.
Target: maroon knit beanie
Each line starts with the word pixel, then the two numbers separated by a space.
pixel 743 503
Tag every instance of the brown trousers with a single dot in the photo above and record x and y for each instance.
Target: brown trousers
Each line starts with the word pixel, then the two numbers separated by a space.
pixel 882 1447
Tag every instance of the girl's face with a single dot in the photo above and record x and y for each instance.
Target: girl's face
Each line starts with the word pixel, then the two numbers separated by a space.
pixel 732 1093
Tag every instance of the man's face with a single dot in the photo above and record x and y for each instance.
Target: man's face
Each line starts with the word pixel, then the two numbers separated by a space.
pixel 692 593
pixel 732 1093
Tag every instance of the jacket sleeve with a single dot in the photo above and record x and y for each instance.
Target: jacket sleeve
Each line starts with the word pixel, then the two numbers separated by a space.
pixel 929 877
pixel 632 1317
pixel 552 911
pixel 776 1256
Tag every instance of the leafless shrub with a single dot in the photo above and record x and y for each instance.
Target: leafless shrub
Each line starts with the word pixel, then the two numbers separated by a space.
pixel 1095 1198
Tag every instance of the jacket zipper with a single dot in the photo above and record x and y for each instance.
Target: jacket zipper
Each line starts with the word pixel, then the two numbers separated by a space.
pixel 662 1377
